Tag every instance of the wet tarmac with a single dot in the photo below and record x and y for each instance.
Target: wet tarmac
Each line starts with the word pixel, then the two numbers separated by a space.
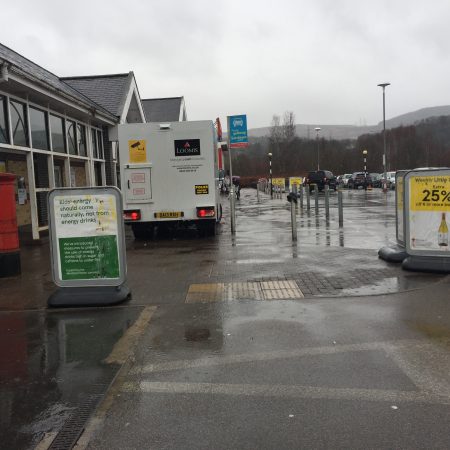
pixel 368 372
pixel 51 364
pixel 255 338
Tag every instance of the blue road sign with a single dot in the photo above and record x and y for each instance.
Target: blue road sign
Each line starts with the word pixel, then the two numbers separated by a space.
pixel 237 129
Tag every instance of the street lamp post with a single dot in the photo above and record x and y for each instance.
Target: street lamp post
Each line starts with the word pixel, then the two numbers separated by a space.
pixel 365 168
pixel 383 86
pixel 270 174
pixel 317 140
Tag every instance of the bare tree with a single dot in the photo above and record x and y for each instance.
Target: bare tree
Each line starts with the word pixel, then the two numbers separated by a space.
pixel 276 132
pixel 288 127
pixel 275 138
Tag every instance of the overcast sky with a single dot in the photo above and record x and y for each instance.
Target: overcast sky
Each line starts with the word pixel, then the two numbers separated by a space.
pixel 321 59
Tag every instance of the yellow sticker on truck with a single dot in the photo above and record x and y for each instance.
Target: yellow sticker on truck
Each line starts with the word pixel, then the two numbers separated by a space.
pixel 201 189
pixel 137 150
pixel 429 193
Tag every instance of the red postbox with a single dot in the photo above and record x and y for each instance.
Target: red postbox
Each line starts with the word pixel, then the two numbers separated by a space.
pixel 9 235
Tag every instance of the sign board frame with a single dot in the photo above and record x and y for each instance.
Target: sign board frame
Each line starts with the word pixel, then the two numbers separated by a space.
pixel 410 216
pixel 400 214
pixel 116 237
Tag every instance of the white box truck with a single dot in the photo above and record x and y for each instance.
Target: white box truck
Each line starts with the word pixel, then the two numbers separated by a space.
pixel 169 173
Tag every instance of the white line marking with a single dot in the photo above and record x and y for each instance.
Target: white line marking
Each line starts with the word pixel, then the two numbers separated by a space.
pixel 428 368
pixel 284 391
pixel 273 355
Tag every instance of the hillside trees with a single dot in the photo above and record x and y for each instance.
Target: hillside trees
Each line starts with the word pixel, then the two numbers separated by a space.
pixel 426 144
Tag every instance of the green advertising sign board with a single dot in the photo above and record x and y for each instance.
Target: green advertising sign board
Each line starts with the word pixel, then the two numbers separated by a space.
pixel 89 257
pixel 87 237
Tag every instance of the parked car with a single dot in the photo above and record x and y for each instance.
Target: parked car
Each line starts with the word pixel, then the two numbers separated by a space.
pixel 359 179
pixel 390 179
pixel 321 178
pixel 376 179
pixel 345 178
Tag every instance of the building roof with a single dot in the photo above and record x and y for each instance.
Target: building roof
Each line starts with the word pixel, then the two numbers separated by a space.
pixel 36 72
pixel 108 91
pixel 162 109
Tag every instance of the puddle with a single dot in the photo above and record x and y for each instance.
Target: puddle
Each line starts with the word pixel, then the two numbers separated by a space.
pixel 197 334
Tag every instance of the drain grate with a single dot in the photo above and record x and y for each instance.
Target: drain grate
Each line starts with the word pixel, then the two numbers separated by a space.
pixel 74 425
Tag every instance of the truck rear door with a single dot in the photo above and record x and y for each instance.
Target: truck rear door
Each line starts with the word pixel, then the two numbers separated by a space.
pixel 138 186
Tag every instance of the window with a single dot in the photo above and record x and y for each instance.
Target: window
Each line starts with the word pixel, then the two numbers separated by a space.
pixel 19 124
pixel 100 144
pixel 71 133
pixel 58 176
pixel 94 143
pixel 3 122
pixel 81 136
pixel 58 134
pixel 39 129
pixel 40 163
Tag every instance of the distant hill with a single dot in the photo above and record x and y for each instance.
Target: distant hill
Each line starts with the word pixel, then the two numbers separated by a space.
pixel 341 132
pixel 416 116
pixel 338 132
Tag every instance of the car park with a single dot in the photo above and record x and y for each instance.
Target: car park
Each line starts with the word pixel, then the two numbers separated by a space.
pixel 321 178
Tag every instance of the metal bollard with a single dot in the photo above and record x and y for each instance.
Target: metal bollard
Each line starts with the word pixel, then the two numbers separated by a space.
pixel 316 198
pixel 308 198
pixel 257 192
pixel 294 190
pixel 327 202
pixel 294 219
pixel 301 196
pixel 340 209
pixel 233 212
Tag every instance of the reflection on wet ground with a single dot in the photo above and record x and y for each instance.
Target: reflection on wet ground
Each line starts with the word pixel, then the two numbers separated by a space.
pixel 50 364
pixel 369 221
pixel 327 260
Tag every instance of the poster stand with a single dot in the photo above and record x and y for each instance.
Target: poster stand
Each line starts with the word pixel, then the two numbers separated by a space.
pixel 433 264
pixel 87 243
pixel 422 211
pixel 89 296
pixel 396 253
pixel 427 209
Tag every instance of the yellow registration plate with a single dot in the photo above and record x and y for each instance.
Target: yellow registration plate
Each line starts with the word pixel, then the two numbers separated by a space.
pixel 169 215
